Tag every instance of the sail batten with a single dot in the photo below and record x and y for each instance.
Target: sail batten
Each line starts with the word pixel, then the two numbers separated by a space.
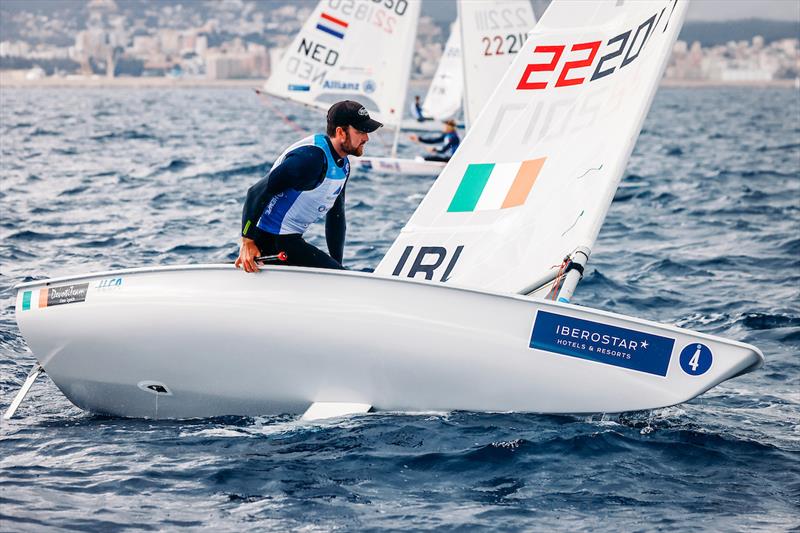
pixel 574 101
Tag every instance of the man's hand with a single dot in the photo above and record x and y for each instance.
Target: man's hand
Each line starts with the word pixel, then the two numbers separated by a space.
pixel 248 251
pixel 413 138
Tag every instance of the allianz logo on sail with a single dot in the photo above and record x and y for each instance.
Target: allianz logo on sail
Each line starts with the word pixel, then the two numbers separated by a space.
pixel 368 86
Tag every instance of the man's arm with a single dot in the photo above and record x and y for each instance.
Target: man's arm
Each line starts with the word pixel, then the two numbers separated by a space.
pixel 301 170
pixel 335 228
pixel 431 139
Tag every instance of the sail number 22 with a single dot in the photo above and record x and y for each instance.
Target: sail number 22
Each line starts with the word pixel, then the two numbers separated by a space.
pixel 583 55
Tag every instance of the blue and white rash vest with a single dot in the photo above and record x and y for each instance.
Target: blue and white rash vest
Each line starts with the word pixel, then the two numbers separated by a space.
pixel 292 211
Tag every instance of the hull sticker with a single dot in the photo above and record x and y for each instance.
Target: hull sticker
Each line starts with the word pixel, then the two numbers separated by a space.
pixel 602 343
pixel 69 294
pixel 696 359
pixel 108 284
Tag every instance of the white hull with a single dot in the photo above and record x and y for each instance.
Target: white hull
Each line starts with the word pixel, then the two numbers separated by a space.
pixel 428 126
pixel 396 165
pixel 222 342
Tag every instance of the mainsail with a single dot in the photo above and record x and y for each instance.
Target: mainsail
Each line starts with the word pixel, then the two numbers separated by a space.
pixel 492 33
pixel 443 100
pixel 535 176
pixel 351 49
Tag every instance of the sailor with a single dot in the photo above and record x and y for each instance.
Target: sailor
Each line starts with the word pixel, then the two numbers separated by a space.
pixel 417 110
pixel 449 139
pixel 306 182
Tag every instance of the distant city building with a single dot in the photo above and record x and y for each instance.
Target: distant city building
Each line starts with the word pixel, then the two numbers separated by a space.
pixel 736 62
pixel 226 39
pixel 240 64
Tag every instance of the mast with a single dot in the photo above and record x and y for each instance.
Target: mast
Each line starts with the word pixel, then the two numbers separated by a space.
pixel 395 141
pixel 578 261
pixel 407 60
pixel 464 66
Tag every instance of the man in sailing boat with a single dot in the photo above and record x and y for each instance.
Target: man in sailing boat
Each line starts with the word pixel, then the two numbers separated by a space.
pixel 417 110
pixel 306 182
pixel 449 139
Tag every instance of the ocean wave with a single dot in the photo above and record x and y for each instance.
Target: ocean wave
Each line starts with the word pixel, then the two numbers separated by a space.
pixel 258 169
pixel 125 135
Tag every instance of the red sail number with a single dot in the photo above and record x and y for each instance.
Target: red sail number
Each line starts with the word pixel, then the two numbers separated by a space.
pixel 525 83
pixel 557 51
pixel 569 65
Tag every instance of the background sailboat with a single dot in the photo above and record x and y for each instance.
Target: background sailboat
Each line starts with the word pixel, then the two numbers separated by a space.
pixel 492 33
pixel 443 100
pixel 361 51
pixel 351 50
pixel 483 42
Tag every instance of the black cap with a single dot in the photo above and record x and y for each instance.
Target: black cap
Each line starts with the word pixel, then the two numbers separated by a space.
pixel 350 113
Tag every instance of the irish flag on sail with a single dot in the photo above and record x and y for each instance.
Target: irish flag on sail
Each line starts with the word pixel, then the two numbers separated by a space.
pixel 491 186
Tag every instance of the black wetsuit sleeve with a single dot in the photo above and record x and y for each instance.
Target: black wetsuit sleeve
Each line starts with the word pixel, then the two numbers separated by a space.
pixel 336 227
pixel 431 139
pixel 450 144
pixel 302 169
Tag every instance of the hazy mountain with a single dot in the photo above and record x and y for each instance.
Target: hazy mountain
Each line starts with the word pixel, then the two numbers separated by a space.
pixel 712 33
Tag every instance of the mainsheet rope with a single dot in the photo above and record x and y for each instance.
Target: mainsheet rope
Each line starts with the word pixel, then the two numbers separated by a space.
pixel 305 132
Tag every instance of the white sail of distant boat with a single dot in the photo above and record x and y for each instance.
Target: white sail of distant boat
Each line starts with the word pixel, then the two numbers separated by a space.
pixel 356 49
pixel 535 176
pixel 492 33
pixel 443 100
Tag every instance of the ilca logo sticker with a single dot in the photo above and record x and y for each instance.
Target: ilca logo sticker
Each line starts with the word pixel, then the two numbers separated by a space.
pixel 696 359
pixel 109 283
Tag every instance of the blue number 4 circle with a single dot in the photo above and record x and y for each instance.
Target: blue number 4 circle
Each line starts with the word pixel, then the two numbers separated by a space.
pixel 696 359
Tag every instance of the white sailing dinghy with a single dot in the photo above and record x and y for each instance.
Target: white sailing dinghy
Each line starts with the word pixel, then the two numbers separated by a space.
pixel 477 54
pixel 443 100
pixel 357 50
pixel 492 33
pixel 464 312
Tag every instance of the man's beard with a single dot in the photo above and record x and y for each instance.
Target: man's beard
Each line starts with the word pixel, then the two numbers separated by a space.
pixel 351 150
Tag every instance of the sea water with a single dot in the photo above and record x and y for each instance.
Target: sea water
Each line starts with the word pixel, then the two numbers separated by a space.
pixel 704 233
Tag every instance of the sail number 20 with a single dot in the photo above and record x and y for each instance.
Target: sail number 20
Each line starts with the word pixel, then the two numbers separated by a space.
pixel 628 44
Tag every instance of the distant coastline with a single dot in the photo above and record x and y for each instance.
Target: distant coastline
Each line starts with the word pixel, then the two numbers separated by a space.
pixel 9 79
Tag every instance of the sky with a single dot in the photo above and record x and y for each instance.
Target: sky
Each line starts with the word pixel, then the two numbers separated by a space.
pixel 707 10
pixel 716 10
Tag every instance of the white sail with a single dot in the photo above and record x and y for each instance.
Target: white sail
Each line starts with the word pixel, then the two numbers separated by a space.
pixel 444 96
pixel 536 174
pixel 492 32
pixel 351 49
